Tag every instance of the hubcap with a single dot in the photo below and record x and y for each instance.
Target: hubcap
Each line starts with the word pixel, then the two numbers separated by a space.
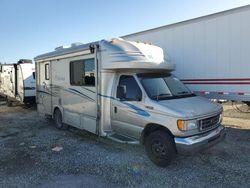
pixel 158 148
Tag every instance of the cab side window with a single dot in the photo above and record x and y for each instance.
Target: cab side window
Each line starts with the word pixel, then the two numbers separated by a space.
pixel 131 89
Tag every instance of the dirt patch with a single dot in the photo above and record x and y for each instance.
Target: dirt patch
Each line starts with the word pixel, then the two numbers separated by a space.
pixel 27 158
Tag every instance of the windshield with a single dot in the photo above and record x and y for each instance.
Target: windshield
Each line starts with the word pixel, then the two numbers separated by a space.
pixel 163 86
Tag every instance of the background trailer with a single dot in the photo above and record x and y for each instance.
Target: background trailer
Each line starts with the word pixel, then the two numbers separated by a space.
pixel 17 81
pixel 211 53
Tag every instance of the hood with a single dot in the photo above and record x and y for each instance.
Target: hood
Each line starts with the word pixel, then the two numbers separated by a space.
pixel 192 107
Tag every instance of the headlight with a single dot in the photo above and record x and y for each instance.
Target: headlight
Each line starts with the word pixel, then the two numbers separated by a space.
pixel 187 125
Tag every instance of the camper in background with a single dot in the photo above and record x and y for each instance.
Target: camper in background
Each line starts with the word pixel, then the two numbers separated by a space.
pixel 17 82
pixel 125 91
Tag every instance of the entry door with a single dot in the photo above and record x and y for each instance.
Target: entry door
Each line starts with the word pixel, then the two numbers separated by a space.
pixel 44 90
pixel 127 112
pixel 80 103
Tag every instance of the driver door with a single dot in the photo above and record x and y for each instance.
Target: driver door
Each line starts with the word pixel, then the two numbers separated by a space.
pixel 127 115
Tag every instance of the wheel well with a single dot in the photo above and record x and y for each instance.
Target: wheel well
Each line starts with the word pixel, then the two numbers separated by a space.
pixel 55 110
pixel 151 128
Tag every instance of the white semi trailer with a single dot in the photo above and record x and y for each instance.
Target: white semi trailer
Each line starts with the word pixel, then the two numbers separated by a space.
pixel 17 82
pixel 211 53
pixel 125 91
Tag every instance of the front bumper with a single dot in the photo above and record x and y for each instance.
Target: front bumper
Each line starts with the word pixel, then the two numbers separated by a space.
pixel 200 142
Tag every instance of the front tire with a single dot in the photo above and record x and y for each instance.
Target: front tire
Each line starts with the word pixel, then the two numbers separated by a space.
pixel 160 148
pixel 58 120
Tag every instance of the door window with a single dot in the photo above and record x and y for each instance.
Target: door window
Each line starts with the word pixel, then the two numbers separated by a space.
pixel 47 71
pixel 132 89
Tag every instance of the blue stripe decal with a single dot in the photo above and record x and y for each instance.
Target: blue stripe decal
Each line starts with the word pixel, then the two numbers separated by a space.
pixel 29 88
pixel 88 90
pixel 40 91
pixel 48 93
pixel 78 92
pixel 109 97
pixel 138 110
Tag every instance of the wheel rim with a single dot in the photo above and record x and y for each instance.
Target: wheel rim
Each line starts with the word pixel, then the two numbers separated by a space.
pixel 159 149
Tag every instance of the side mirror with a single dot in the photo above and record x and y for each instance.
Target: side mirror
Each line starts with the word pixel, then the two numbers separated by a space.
pixel 121 92
pixel 139 97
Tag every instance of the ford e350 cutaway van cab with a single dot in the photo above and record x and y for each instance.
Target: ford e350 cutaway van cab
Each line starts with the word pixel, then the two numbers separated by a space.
pixel 125 91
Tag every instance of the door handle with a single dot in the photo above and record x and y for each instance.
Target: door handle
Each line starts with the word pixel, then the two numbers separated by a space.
pixel 115 109
pixel 44 85
pixel 149 107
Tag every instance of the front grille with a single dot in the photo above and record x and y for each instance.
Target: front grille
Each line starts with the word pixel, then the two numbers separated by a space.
pixel 210 122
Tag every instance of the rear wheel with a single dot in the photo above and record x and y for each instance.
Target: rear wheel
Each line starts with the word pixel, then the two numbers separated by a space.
pixel 160 148
pixel 9 103
pixel 58 120
pixel 28 105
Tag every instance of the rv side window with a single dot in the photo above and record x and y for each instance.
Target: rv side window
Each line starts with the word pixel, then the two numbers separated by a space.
pixel 46 71
pixel 82 72
pixel 34 75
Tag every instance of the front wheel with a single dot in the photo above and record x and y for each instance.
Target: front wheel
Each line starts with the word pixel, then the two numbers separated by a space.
pixel 160 148
pixel 58 120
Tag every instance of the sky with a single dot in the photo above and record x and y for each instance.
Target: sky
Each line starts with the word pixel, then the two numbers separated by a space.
pixel 32 27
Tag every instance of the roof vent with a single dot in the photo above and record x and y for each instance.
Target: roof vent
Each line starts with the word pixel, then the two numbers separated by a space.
pixel 61 48
pixel 24 61
pixel 67 46
pixel 76 44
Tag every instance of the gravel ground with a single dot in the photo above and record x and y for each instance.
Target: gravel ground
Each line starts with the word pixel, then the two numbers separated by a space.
pixel 27 158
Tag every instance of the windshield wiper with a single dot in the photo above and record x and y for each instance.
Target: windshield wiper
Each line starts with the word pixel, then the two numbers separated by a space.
pixel 161 95
pixel 183 92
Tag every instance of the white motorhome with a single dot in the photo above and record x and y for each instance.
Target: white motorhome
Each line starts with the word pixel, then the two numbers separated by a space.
pixel 211 53
pixel 17 82
pixel 124 90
